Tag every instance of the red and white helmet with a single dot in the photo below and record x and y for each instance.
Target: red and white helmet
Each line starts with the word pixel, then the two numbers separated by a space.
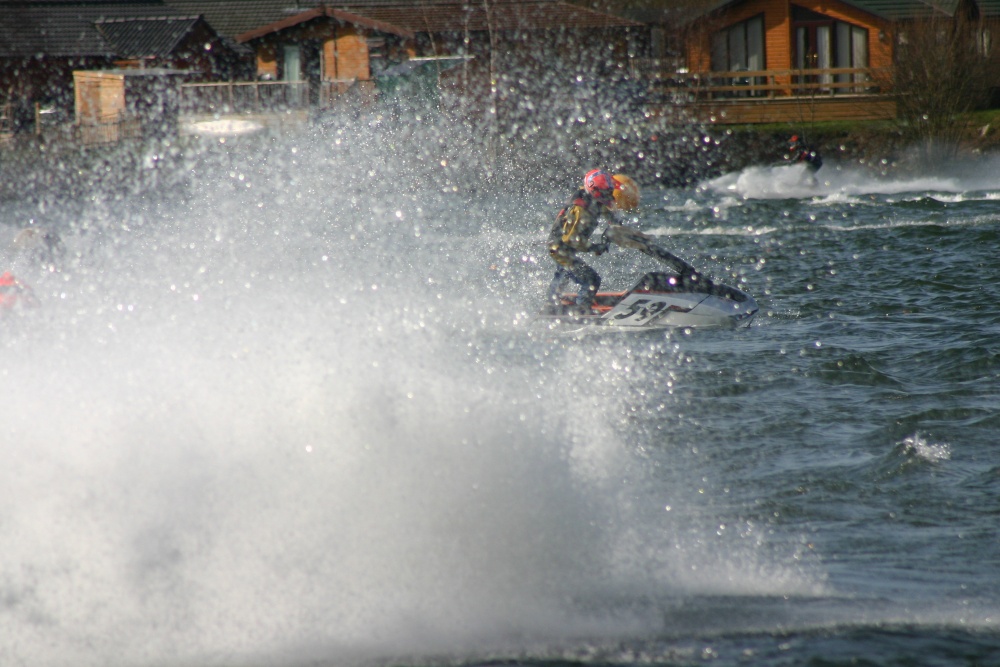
pixel 600 185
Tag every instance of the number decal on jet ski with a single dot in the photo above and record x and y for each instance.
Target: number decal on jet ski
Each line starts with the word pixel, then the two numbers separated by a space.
pixel 662 300
pixel 640 311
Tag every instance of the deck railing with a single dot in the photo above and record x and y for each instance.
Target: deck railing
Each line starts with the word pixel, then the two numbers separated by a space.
pixel 110 129
pixel 244 97
pixel 764 84
pixel 6 120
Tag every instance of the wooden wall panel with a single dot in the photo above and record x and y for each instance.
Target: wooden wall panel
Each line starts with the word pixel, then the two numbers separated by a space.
pixel 351 55
pixel 328 59
pixel 267 61
pixel 778 31
pixel 802 110
pixel 879 30
pixel 100 96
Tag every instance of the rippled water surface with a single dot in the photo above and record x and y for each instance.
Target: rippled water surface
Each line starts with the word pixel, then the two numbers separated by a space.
pixel 289 405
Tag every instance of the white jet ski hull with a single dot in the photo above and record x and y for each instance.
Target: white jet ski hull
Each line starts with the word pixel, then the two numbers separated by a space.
pixel 661 301
pixel 679 310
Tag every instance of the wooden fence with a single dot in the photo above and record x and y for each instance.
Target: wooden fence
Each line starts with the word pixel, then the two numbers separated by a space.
pixel 110 129
pixel 6 121
pixel 244 97
pixel 764 96
pixel 769 83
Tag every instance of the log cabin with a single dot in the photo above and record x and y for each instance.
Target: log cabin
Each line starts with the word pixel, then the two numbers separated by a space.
pixel 766 61
pixel 42 45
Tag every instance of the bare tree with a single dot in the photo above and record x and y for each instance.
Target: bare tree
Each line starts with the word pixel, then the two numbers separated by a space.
pixel 942 70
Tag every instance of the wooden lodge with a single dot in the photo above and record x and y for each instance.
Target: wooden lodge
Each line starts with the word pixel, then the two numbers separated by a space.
pixel 506 59
pixel 306 60
pixel 766 61
pixel 505 55
pixel 47 48
pixel 513 62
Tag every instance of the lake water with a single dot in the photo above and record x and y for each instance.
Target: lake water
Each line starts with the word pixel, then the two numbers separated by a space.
pixel 285 403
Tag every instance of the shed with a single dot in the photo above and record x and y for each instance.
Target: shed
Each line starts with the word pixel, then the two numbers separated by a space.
pixel 119 103
pixel 43 42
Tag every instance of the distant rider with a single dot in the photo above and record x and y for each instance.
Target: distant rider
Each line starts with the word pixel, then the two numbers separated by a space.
pixel 800 152
pixel 39 245
pixel 571 234
pixel 14 293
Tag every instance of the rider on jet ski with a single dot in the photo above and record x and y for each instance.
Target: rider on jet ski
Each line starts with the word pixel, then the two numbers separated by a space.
pixel 599 197
pixel 14 293
pixel 798 151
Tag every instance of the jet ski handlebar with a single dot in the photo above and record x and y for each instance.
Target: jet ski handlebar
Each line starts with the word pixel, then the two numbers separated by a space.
pixel 631 238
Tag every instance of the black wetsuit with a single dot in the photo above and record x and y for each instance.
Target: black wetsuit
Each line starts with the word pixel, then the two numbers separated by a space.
pixel 809 156
pixel 570 235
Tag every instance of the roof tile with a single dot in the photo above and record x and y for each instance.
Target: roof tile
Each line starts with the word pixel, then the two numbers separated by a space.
pixel 236 17
pixel 144 37
pixel 67 28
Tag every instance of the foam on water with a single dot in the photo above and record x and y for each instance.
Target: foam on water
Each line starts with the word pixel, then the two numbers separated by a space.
pixel 928 451
pixel 834 182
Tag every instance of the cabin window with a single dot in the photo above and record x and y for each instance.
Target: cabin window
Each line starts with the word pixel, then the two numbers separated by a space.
pixel 851 47
pixel 377 55
pixel 824 43
pixel 851 51
pixel 291 64
pixel 740 48
pixel 658 42
pixel 985 42
pixel 291 74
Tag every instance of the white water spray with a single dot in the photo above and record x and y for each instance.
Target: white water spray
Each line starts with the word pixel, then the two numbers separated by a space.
pixel 268 419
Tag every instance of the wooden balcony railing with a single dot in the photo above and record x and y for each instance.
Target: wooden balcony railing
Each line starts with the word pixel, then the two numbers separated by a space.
pixel 109 129
pixel 6 120
pixel 766 84
pixel 244 97
pixel 263 96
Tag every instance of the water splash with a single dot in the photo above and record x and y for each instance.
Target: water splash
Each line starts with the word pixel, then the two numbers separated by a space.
pixel 919 448
pixel 839 181
pixel 280 410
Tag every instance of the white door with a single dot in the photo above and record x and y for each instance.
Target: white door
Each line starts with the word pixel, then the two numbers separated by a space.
pixel 291 72
pixel 292 63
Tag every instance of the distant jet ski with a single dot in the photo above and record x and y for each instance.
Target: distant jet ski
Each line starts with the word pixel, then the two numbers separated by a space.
pixel 684 298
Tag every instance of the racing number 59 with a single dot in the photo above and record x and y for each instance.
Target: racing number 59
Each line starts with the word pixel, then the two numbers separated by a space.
pixel 641 310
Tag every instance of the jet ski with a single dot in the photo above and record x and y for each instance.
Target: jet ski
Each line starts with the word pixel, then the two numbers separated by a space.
pixel 681 298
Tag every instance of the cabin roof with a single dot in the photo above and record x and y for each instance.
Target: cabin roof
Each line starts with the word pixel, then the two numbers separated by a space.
pixel 136 28
pixel 318 12
pixel 450 16
pixel 67 28
pixel 910 9
pixel 143 37
pixel 905 9
pixel 896 10
pixel 239 17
